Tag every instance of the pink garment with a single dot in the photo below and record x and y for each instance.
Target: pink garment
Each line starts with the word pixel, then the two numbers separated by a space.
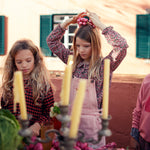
pixel 141 114
pixel 90 121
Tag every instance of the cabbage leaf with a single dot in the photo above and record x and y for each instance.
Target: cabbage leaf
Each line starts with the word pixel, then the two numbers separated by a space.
pixel 9 128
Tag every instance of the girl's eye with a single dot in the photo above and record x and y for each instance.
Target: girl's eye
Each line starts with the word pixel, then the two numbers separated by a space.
pixel 87 45
pixel 18 62
pixel 28 60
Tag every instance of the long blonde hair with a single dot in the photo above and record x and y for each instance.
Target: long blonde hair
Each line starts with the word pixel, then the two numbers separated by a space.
pixel 91 35
pixel 39 77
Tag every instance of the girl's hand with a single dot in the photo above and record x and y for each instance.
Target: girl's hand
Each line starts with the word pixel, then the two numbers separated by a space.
pixel 35 128
pixel 95 19
pixel 72 20
pixel 75 18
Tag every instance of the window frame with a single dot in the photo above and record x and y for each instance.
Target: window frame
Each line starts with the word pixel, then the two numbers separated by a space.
pixel 52 23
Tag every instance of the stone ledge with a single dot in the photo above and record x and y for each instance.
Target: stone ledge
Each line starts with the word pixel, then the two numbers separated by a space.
pixel 128 78
pixel 123 78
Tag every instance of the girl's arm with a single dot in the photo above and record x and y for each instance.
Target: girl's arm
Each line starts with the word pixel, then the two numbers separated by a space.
pixel 48 102
pixel 113 38
pixel 56 46
pixel 54 39
pixel 136 115
pixel 119 45
pixel 140 103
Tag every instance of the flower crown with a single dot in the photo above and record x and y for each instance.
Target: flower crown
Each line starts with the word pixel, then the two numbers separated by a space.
pixel 85 21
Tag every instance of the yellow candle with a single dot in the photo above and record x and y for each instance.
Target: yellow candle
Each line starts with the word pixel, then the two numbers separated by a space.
pixel 70 60
pixel 15 92
pixel 106 88
pixel 65 92
pixel 19 83
pixel 77 108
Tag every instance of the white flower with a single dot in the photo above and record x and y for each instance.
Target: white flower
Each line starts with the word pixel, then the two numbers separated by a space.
pixel 54 110
pixel 51 114
pixel 56 104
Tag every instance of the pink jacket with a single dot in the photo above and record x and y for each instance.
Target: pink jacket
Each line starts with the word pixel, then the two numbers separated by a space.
pixel 141 113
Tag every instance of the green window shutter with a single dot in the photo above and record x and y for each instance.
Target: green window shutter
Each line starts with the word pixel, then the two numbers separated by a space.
pixel 46 26
pixel 143 36
pixel 2 35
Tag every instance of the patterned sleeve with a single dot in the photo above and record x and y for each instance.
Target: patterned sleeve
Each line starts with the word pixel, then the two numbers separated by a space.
pixel 56 46
pixel 48 102
pixel 119 47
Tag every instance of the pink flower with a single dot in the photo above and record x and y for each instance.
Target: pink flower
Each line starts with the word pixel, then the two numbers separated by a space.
pixel 83 146
pixel 37 146
pixel 108 146
pixel 55 145
pixel 85 21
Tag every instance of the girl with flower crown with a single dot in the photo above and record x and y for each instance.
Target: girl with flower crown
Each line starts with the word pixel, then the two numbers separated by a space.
pixel 88 63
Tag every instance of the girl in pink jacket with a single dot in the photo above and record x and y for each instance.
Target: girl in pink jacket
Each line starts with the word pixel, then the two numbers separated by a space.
pixel 141 117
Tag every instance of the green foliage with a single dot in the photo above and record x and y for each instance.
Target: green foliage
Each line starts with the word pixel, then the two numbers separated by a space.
pixel 56 110
pixel 9 127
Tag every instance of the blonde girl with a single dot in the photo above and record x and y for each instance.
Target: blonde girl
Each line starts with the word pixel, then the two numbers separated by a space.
pixel 25 56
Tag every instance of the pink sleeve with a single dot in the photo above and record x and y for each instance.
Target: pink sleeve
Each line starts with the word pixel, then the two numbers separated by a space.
pixel 137 110
pixel 141 99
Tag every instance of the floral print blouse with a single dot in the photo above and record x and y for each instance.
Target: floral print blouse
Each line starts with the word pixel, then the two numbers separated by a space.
pixel 116 55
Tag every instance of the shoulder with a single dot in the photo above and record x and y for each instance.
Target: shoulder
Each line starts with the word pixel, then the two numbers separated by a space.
pixel 146 82
pixel 146 79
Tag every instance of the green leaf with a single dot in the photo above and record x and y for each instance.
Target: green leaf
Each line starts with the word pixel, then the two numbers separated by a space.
pixel 56 110
pixel 9 127
pixel 8 114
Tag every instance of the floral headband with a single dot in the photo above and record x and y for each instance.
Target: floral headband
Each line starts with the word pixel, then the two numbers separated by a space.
pixel 85 21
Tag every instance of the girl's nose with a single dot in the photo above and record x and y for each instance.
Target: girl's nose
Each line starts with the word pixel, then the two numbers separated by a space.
pixel 81 49
pixel 23 65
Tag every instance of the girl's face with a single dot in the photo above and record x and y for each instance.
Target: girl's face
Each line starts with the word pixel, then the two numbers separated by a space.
pixel 84 49
pixel 24 61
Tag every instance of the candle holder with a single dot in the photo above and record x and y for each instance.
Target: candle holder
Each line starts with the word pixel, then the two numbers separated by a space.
pixel 25 132
pixel 65 142
pixel 105 131
pixel 64 118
